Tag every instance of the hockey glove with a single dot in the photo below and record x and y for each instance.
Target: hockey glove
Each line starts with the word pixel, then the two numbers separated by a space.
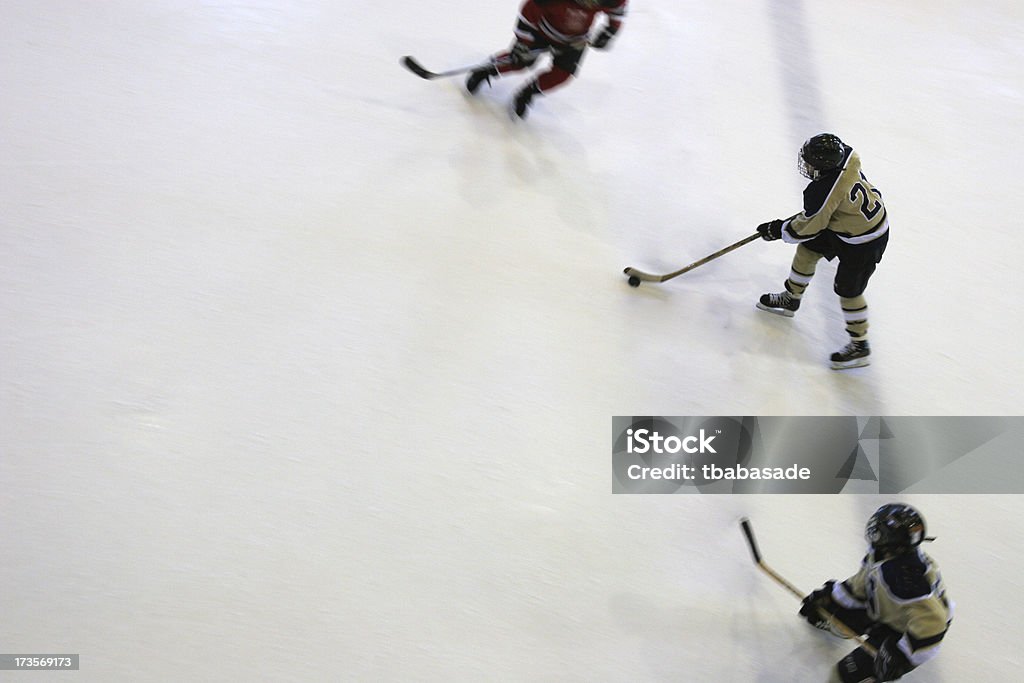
pixel 890 662
pixel 602 41
pixel 770 231
pixel 820 598
pixel 521 54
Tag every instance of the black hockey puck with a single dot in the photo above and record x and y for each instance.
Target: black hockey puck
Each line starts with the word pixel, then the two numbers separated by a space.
pixel 634 281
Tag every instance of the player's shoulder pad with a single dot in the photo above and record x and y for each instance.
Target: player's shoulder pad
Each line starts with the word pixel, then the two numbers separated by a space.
pixel 906 576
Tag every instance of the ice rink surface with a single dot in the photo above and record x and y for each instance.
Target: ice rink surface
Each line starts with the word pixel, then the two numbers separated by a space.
pixel 307 366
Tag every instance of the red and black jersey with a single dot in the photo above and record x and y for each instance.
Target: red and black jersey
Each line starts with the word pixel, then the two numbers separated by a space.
pixel 565 22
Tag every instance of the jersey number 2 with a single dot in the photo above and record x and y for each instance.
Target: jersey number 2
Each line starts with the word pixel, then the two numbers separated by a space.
pixel 869 206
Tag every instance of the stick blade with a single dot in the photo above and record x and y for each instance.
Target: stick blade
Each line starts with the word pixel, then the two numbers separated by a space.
pixel 641 275
pixel 748 531
pixel 415 67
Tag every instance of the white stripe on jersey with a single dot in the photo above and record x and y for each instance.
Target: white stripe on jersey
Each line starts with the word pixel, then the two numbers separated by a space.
pixel 866 237
pixel 528 23
pixel 559 37
pixel 843 597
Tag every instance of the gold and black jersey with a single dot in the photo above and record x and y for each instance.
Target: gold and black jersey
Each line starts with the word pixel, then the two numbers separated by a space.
pixel 843 202
pixel 906 594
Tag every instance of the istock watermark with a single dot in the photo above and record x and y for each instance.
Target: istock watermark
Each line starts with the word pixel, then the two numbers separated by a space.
pixel 646 440
pixel 825 454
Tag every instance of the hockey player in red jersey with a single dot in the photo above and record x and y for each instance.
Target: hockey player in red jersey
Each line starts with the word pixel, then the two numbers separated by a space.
pixel 561 27
pixel 897 600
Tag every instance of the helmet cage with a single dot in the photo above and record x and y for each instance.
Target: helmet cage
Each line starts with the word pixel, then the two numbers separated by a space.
pixel 806 170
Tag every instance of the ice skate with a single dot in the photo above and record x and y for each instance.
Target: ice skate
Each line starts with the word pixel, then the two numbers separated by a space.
pixel 478 76
pixel 782 303
pixel 853 355
pixel 521 102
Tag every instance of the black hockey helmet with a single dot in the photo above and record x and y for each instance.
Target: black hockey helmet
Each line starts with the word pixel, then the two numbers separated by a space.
pixel 821 153
pixel 895 528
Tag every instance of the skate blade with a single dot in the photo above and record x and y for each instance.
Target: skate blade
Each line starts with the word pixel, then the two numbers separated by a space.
pixel 777 311
pixel 850 364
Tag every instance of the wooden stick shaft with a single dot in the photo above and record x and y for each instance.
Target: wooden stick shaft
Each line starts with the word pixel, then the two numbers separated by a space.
pixel 648 277
pixel 755 550
pixel 711 257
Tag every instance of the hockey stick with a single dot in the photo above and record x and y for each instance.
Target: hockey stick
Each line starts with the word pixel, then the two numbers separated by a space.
pixel 412 65
pixel 415 67
pixel 648 277
pixel 845 630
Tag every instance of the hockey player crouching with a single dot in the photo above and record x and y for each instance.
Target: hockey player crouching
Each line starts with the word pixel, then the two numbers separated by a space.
pixel 897 600
pixel 561 27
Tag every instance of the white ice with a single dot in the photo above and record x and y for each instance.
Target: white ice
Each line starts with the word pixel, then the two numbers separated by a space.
pixel 307 366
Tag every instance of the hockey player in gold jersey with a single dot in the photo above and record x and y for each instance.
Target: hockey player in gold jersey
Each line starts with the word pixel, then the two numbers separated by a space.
pixel 843 217
pixel 897 600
